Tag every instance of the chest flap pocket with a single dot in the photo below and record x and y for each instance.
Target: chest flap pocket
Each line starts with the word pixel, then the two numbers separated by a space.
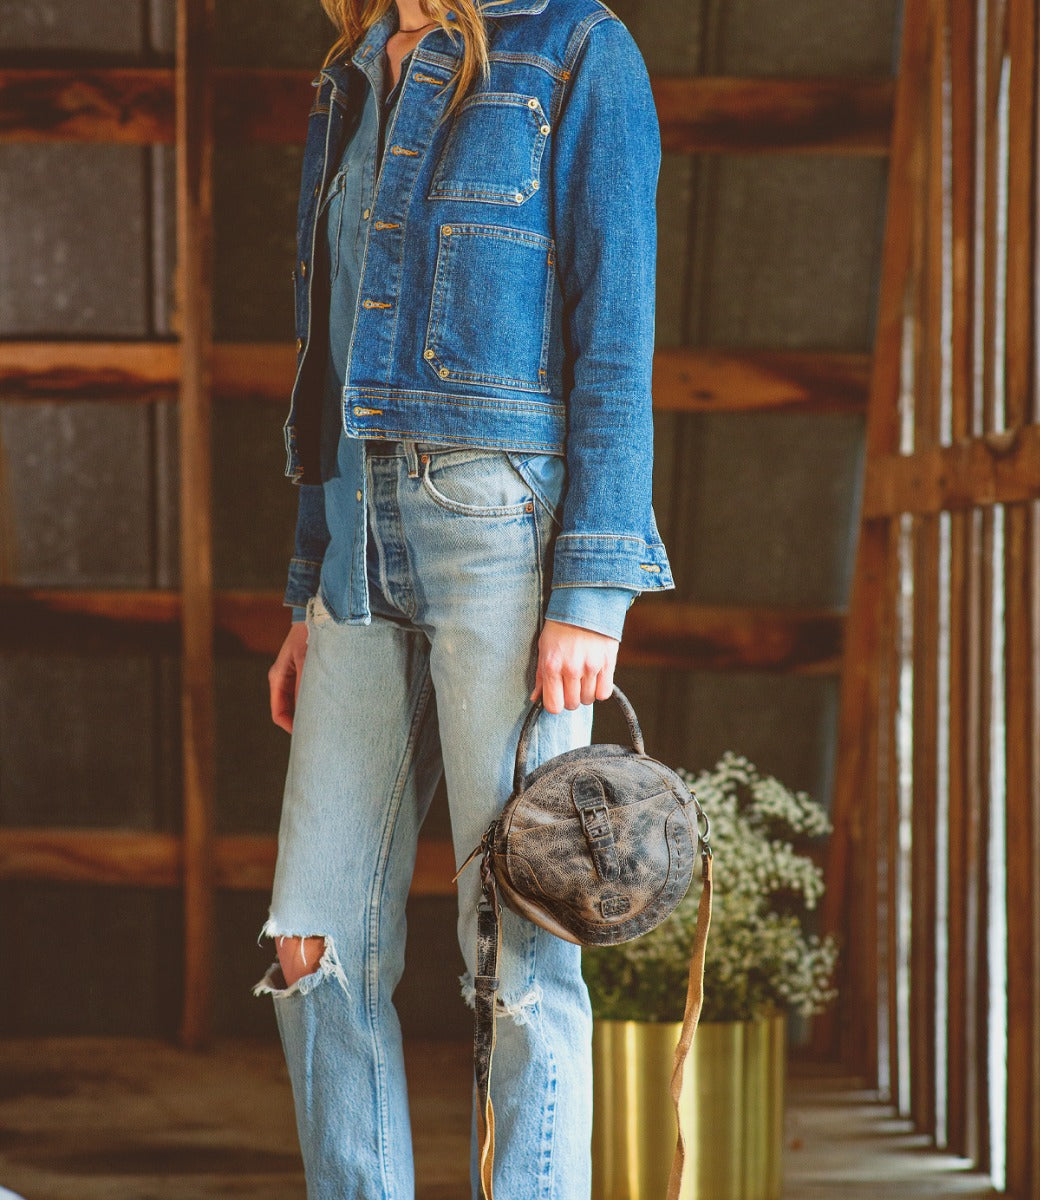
pixel 493 151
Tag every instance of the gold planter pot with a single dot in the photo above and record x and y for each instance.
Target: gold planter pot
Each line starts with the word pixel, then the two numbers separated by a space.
pixel 732 1110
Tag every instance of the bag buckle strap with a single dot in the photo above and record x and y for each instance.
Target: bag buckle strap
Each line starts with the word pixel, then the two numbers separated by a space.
pixel 591 802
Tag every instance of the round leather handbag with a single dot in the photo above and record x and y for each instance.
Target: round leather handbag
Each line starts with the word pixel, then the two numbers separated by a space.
pixel 597 845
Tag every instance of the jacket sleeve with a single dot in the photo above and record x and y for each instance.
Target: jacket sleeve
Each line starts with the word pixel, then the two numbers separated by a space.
pixel 606 159
pixel 310 542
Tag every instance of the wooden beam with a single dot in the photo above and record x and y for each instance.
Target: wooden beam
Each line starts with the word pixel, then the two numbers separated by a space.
pixel 708 380
pixel 1022 619
pixel 128 858
pixel 995 468
pixel 697 113
pixel 657 632
pixel 194 159
pixel 841 912
pixel 748 116
pixel 714 638
pixel 685 380
pixel 116 104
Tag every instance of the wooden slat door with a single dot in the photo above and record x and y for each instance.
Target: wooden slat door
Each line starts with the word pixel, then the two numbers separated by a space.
pixel 938 790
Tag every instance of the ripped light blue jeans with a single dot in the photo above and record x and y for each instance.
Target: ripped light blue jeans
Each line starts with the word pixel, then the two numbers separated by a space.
pixel 438 681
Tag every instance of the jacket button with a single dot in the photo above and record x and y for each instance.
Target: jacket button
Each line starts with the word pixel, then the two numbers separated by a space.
pixel 427 354
pixel 299 345
pixel 544 129
pixel 533 102
pixel 359 493
pixel 446 230
pixel 444 372
pixel 303 268
pixel 367 213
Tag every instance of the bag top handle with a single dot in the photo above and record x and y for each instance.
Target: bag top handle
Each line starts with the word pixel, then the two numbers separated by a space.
pixel 634 732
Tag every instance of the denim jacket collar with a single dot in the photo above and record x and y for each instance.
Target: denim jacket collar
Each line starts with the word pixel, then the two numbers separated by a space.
pixel 377 35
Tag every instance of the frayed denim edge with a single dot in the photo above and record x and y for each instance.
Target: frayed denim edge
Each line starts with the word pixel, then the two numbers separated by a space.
pixel 520 1008
pixel 328 965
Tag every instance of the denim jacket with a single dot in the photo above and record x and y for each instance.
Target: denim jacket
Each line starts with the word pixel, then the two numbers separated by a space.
pixel 506 297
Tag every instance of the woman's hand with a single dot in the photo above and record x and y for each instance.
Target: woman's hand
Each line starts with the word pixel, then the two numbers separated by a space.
pixel 575 666
pixel 284 676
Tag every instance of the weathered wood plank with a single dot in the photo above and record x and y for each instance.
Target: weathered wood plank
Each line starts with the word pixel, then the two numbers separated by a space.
pixel 962 881
pixel 705 380
pixel 194 158
pixel 656 634
pixel 1021 599
pixel 685 380
pixel 725 115
pixel 995 468
pixel 116 104
pixel 697 114
pixel 861 668
pixel 131 858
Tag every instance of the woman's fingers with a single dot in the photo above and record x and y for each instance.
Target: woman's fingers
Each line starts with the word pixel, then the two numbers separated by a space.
pixel 575 666
pixel 284 676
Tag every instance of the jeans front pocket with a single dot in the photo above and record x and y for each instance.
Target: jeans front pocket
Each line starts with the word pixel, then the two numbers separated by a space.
pixel 493 152
pixel 476 483
pixel 469 340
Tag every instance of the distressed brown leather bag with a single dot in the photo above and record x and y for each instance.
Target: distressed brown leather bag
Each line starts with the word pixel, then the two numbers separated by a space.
pixel 598 845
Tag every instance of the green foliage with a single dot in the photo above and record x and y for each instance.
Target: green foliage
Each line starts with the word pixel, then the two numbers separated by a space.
pixel 761 955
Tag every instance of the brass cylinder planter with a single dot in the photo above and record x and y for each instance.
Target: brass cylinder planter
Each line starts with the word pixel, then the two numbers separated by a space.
pixel 732 1110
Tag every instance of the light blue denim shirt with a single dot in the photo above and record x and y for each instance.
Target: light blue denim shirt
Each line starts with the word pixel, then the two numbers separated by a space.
pixel 344 216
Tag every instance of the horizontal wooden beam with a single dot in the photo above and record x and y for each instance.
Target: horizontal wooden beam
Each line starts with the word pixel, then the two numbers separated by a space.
pixel 664 633
pixel 762 116
pixel 708 380
pixel 685 380
pixel 999 468
pixel 132 858
pixel 697 114
pixel 657 632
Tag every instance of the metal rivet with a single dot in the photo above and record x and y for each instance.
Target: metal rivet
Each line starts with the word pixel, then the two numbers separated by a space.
pixel 427 354
pixel 367 213
pixel 303 267
pixel 358 493
pixel 443 372
pixel 532 103
pixel 534 185
pixel 446 230
pixel 529 507
pixel 424 458
pixel 544 129
pixel 299 345
pixel 519 197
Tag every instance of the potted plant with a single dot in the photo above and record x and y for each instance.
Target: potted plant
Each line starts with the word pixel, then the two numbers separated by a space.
pixel 763 963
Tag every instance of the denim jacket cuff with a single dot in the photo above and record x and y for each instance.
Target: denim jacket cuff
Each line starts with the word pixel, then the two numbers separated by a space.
pixel 303 581
pixel 600 609
pixel 610 560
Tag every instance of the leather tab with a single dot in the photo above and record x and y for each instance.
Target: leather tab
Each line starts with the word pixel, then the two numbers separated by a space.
pixel 590 800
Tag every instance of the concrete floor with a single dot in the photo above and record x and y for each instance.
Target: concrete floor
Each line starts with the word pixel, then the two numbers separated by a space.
pixel 118 1119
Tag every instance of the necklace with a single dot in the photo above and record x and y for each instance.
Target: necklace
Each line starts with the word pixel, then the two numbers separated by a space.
pixel 418 27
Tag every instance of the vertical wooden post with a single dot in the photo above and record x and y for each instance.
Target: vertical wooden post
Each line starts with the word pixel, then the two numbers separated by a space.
pixel 850 900
pixel 962 963
pixel 1020 598
pixel 194 244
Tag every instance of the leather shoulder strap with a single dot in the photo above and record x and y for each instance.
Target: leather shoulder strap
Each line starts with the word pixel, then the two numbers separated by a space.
pixel 489 945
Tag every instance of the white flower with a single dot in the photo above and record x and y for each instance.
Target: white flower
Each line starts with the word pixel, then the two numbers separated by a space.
pixel 761 954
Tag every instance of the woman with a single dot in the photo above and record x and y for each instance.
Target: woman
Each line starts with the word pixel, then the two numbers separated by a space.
pixel 470 430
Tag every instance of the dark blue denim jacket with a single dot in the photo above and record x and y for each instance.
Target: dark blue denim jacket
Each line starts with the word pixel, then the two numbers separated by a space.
pixel 506 296
pixel 339 252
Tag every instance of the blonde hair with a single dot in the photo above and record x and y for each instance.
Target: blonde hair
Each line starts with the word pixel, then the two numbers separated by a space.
pixel 353 18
